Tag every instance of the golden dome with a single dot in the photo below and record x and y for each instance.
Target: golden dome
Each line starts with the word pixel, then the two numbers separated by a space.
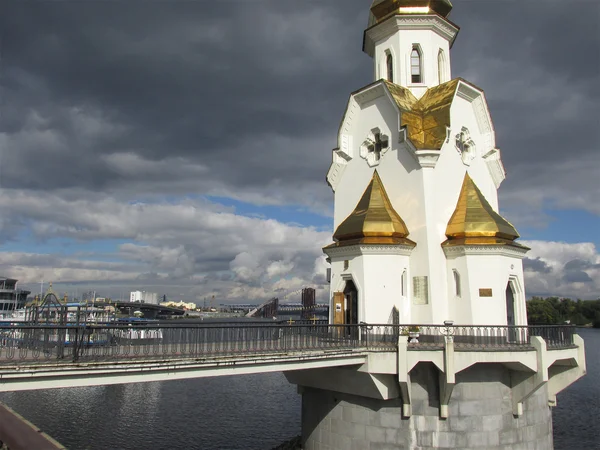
pixel 374 220
pixel 475 221
pixel 382 9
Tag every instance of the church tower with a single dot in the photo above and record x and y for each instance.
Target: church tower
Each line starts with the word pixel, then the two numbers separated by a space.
pixel 426 274
pixel 425 145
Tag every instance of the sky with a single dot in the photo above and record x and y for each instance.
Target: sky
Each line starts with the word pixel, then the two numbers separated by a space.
pixel 181 147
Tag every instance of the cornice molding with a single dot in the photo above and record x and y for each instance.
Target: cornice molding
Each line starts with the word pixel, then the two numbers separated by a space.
pixel 413 22
pixel 452 252
pixel 336 253
pixel 494 164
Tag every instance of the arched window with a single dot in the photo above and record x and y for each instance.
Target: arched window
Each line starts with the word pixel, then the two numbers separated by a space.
pixel 441 66
pixel 456 283
pixel 416 65
pixel 403 283
pixel 389 61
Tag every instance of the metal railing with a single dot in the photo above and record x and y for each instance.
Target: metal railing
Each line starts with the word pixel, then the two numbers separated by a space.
pixel 487 337
pixel 27 343
pixel 104 342
pixel 556 336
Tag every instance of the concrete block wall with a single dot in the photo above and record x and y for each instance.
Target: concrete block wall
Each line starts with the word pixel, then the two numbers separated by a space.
pixel 480 416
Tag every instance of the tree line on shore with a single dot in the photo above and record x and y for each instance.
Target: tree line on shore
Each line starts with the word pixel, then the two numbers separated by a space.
pixel 555 310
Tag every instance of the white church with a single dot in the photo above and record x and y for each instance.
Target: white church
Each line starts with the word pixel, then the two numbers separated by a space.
pixel 415 176
pixel 419 240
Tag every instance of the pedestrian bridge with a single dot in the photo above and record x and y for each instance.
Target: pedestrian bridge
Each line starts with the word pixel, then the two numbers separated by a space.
pixel 52 356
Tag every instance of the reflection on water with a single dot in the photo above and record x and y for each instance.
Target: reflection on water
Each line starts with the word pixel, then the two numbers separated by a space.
pixel 239 412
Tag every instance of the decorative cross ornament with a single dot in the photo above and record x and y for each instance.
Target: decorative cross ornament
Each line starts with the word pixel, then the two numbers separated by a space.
pixel 374 146
pixel 465 146
pixel 377 146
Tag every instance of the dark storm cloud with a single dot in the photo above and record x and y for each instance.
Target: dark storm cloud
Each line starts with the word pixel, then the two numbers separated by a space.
pixel 198 80
pixel 574 271
pixel 579 264
pixel 536 265
pixel 96 95
pixel 577 276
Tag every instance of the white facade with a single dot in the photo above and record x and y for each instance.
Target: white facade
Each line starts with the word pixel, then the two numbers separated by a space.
pixel 423 185
pixel 144 297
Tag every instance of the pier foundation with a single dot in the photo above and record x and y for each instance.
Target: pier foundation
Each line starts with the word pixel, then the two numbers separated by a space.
pixel 480 416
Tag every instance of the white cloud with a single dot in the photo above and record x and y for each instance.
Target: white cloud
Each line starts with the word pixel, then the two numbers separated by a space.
pixel 563 269
pixel 198 246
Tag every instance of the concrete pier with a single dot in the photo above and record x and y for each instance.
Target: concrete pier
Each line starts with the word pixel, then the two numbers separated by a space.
pixel 480 416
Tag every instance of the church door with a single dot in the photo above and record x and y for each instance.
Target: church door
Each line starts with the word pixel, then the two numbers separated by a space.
pixel 339 305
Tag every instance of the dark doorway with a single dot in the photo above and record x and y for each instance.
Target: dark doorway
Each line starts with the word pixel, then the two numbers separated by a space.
pixel 351 295
pixel 510 306
pixel 351 313
pixel 510 314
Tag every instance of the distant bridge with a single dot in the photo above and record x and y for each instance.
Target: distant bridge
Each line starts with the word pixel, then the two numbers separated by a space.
pixel 150 311
pixel 308 306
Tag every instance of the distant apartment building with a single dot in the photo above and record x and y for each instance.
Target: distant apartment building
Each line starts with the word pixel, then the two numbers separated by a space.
pixel 11 297
pixel 144 297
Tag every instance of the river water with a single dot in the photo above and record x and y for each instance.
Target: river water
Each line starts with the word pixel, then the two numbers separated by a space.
pixel 239 412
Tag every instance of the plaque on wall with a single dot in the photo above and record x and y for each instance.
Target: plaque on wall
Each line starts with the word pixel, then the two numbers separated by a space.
pixel 485 292
pixel 420 290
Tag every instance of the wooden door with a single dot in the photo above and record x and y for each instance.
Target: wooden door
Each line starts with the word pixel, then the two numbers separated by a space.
pixel 338 308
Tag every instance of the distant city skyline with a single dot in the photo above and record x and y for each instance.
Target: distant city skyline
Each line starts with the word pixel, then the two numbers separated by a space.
pixel 183 148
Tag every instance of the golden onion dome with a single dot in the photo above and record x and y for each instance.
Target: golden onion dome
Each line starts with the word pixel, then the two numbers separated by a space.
pixel 382 9
pixel 374 219
pixel 474 219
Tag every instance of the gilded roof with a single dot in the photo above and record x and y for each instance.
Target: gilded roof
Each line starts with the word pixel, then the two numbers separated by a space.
pixel 474 221
pixel 374 219
pixel 426 119
pixel 382 9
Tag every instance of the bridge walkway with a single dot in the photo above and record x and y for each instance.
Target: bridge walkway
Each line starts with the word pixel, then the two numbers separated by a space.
pixel 46 356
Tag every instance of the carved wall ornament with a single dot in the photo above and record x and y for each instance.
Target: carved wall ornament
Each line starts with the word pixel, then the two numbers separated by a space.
pixel 374 147
pixel 466 146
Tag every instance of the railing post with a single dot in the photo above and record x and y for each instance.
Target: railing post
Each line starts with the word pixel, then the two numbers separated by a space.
pixel 75 351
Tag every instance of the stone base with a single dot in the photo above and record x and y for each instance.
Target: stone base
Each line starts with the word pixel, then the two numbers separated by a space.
pixel 480 416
